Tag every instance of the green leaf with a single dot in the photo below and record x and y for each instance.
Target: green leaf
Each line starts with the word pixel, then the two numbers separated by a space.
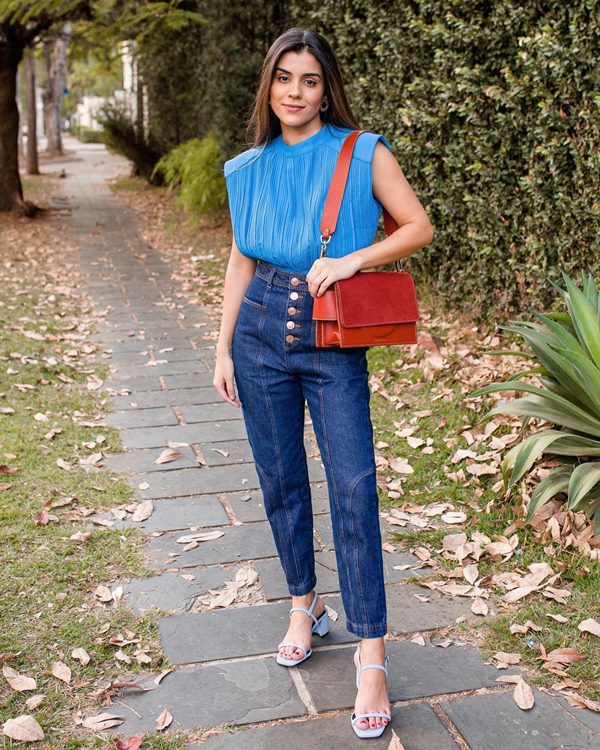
pixel 583 479
pixel 556 481
pixel 530 450
pixel 585 320
pixel 546 405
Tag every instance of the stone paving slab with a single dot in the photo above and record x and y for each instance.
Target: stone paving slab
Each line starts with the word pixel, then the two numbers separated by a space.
pixel 274 585
pixel 180 513
pixel 180 482
pixel 161 416
pixel 233 693
pixel 417 726
pixel 205 395
pixel 414 672
pixel 209 412
pixel 172 592
pixel 495 722
pixel 143 460
pixel 196 370
pixel 157 437
pixel 250 541
pixel 238 632
pixel 186 381
pixel 238 451
pixel 406 614
pixel 585 716
pixel 144 383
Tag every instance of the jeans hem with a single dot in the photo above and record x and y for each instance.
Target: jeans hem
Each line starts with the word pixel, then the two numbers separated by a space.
pixel 376 630
pixel 302 590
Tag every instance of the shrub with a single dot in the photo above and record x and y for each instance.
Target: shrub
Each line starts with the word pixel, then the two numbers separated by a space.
pixel 566 347
pixel 121 135
pixel 194 168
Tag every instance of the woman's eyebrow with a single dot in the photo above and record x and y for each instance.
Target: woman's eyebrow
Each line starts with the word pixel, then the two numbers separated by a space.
pixel 283 70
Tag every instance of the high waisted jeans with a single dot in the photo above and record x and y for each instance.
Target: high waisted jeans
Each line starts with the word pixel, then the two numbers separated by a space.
pixel 277 367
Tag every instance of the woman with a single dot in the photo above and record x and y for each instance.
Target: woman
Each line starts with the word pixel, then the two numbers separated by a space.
pixel 267 344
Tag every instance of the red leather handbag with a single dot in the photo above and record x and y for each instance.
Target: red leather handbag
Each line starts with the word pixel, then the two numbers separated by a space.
pixel 371 308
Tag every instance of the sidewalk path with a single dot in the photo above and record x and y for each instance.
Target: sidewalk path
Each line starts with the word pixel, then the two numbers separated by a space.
pixel 225 671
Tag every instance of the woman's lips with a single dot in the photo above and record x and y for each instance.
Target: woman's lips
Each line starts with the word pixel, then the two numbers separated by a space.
pixel 293 107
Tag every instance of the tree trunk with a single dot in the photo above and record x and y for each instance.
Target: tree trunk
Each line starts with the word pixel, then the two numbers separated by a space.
pixel 11 192
pixel 55 52
pixel 32 151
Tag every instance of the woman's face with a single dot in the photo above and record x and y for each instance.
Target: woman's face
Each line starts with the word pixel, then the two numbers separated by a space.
pixel 297 89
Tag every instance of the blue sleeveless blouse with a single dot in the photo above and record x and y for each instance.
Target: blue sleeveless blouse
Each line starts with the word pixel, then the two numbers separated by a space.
pixel 277 193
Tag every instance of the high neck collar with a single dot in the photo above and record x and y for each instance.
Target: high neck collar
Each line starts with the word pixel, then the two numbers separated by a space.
pixel 302 147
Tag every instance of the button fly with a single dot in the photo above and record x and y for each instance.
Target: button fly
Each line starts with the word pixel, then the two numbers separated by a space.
pixel 289 339
pixel 294 295
pixel 290 324
pixel 292 310
pixel 294 281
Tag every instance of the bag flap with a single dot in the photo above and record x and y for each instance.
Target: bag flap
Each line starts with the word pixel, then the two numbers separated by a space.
pixel 376 298
pixel 324 307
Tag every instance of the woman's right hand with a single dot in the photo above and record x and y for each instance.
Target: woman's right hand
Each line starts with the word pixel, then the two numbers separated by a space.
pixel 223 379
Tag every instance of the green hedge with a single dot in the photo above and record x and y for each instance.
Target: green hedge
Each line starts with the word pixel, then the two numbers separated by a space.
pixel 194 169
pixel 492 109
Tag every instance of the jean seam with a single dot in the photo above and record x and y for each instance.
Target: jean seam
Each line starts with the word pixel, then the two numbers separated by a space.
pixel 260 360
pixel 361 597
pixel 332 471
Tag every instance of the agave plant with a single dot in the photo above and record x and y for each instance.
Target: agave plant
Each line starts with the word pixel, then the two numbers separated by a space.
pixel 566 346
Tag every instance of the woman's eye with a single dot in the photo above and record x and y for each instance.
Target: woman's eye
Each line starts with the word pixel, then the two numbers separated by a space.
pixel 311 81
pixel 279 78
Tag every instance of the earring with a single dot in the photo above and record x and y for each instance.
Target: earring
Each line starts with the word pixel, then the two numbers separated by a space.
pixel 326 107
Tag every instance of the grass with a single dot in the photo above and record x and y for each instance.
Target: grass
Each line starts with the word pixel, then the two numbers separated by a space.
pixel 47 412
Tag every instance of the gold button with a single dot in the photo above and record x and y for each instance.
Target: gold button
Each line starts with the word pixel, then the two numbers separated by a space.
pixel 292 310
pixel 289 339
pixel 290 324
pixel 294 295
pixel 294 281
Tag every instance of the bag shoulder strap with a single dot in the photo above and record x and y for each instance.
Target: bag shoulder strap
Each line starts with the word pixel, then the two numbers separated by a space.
pixel 333 201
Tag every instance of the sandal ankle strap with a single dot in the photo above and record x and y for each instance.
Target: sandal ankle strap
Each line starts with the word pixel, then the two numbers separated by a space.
pixel 308 611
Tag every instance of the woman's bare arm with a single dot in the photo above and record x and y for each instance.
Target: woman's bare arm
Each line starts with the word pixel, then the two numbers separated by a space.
pixel 392 190
pixel 240 270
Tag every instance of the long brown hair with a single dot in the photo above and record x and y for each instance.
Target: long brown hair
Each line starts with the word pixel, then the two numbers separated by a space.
pixel 264 124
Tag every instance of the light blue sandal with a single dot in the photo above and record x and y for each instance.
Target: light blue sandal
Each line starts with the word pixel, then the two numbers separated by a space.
pixel 355 718
pixel 320 627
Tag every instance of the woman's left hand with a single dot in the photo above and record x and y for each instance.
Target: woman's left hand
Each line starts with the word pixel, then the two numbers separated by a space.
pixel 324 271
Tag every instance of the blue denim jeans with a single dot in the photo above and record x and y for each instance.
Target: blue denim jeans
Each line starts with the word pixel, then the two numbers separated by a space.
pixel 278 367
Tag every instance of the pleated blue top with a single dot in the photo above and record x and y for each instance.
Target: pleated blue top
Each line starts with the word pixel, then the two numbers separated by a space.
pixel 277 193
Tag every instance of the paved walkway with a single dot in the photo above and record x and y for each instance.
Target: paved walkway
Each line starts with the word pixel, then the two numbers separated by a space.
pixel 225 671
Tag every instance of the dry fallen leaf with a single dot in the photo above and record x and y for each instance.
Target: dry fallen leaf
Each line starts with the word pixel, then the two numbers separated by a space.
pixel 23 728
pixel 418 640
pixel 523 695
pixel 564 655
pixel 395 743
pixel 81 655
pixel 208 537
pixel 505 658
pixel 102 721
pixel 143 511
pixel 103 594
pixel 590 626
pixel 129 743
pixel 479 606
pixel 163 720
pixel 168 455
pixel 157 680
pixel 33 702
pixel 18 682
pixel 61 672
